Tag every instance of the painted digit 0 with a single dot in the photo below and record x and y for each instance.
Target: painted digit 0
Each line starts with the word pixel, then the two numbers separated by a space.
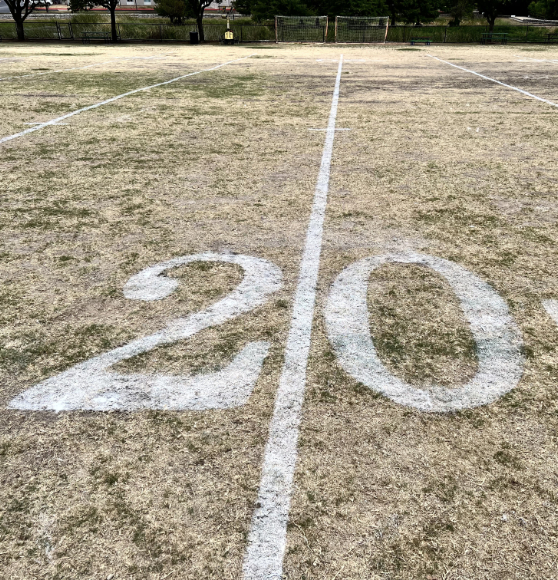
pixel 498 340
pixel 91 386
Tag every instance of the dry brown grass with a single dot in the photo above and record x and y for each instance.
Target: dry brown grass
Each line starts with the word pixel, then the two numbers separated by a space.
pixel 224 162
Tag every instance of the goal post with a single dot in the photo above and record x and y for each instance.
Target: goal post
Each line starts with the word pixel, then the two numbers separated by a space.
pixel 301 28
pixel 361 29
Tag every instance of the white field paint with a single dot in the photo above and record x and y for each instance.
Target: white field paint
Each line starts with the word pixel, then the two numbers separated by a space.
pixel 498 340
pixel 339 129
pixel 527 59
pixel 495 81
pixel 91 386
pixel 49 72
pixel 39 124
pixel 551 307
pixel 267 538
pixel 112 99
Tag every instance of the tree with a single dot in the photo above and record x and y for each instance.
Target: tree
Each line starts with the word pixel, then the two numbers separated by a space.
pixel 110 5
pixel 197 8
pixel 349 7
pixel 459 10
pixel 268 9
pixel 490 10
pixel 176 10
pixel 413 11
pixel 20 10
pixel 545 9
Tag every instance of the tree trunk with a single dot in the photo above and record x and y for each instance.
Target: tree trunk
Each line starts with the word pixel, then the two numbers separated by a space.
pixel 199 21
pixel 491 21
pixel 113 22
pixel 19 27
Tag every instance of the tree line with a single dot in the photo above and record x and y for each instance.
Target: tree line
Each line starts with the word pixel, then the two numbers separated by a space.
pixel 399 11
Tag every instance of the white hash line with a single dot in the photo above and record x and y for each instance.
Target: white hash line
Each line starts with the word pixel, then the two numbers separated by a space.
pixel 495 81
pixel 267 538
pixel 112 99
pixel 49 72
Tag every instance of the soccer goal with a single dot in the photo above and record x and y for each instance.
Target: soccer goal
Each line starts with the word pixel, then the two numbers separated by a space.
pixel 361 29
pixel 301 28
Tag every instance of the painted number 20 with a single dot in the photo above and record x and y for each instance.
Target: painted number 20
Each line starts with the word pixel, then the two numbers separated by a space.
pixel 92 386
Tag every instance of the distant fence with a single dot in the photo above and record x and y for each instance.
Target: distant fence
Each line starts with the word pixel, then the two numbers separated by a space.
pixel 464 34
pixel 131 31
pixel 214 31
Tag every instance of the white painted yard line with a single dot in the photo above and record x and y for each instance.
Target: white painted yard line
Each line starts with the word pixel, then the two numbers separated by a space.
pixel 49 72
pixel 551 307
pixel 267 538
pixel 495 81
pixel 112 99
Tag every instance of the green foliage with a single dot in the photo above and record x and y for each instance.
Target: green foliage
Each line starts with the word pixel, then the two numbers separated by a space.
pixel 491 8
pixel 414 11
pixel 110 5
pixel 349 7
pixel 459 11
pixel 546 9
pixel 268 9
pixel 176 10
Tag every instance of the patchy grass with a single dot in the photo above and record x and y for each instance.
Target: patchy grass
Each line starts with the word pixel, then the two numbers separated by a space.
pixel 223 162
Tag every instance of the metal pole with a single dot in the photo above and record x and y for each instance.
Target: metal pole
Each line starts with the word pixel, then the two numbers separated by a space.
pixel 336 28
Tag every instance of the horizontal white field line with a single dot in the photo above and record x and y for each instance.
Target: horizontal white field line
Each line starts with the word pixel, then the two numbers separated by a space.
pixel 529 59
pixel 49 72
pixel 495 81
pixel 112 99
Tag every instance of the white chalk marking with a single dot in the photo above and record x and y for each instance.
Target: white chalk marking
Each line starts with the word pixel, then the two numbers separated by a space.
pixel 495 81
pixel 90 386
pixel 498 340
pixel 527 59
pixel 49 72
pixel 40 123
pixel 551 307
pixel 111 100
pixel 339 129
pixel 267 538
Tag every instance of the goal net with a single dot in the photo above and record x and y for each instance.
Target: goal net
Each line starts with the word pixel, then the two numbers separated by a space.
pixel 361 29
pixel 301 28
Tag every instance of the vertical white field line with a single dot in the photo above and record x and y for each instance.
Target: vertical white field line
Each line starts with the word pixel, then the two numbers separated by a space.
pixel 112 99
pixel 267 538
pixel 495 81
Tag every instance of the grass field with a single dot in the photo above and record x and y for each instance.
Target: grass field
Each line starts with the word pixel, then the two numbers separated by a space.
pixel 427 159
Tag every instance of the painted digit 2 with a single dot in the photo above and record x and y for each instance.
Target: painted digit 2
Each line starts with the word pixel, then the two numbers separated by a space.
pixel 498 340
pixel 90 385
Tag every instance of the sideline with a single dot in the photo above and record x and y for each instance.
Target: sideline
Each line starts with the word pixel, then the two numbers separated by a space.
pixel 112 99
pixel 495 81
pixel 267 538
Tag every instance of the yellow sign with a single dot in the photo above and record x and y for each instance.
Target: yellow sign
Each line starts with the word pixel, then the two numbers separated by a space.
pixel 229 35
